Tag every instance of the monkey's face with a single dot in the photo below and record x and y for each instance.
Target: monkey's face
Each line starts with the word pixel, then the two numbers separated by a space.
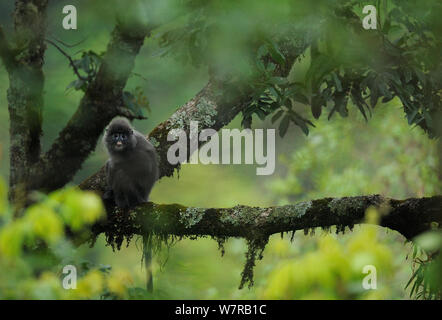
pixel 120 141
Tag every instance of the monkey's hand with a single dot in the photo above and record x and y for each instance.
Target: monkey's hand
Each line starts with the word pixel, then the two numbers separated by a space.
pixel 108 194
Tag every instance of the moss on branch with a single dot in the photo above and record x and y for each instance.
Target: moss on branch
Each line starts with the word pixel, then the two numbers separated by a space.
pixel 409 217
pixel 168 222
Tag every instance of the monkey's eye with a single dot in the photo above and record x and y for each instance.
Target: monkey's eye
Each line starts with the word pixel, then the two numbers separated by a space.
pixel 115 136
pixel 124 137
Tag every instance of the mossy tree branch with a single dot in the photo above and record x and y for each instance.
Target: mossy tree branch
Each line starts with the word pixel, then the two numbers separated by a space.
pixel 409 217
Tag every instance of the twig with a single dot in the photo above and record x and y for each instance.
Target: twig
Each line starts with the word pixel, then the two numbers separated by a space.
pixel 71 62
pixel 66 44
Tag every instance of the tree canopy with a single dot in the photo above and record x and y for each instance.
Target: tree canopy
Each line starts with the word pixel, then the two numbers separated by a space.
pixel 287 63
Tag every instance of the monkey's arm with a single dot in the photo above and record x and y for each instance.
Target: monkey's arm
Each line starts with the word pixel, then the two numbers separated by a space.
pixel 149 149
pixel 108 193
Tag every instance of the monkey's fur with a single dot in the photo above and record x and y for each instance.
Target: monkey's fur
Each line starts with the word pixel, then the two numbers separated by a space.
pixel 132 168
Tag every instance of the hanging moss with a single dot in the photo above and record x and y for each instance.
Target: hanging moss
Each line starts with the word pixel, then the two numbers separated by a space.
pixel 221 241
pixel 292 237
pixel 255 249
pixel 340 229
pixel 121 227
pixel 168 223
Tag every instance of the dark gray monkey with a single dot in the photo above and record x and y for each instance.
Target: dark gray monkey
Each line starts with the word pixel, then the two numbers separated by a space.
pixel 132 168
pixel 131 172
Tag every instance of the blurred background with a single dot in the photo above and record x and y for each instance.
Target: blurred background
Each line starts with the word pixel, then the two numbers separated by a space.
pixel 340 157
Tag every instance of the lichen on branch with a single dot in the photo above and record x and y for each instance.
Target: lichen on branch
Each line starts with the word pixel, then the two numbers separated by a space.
pixel 168 222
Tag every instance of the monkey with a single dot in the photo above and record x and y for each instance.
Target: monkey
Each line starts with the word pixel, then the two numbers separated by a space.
pixel 132 168
pixel 131 171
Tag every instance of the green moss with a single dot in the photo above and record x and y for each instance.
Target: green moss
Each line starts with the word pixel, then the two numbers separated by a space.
pixel 342 207
pixel 221 240
pixel 154 142
pixel 300 208
pixel 255 249
pixel 205 114
pixel 178 120
pixel 191 216
pixel 286 213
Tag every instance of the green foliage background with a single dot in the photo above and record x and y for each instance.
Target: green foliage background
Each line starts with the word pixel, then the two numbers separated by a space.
pixel 340 157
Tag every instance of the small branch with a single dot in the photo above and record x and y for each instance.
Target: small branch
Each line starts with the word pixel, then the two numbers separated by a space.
pixel 67 44
pixel 71 62
pixel 124 112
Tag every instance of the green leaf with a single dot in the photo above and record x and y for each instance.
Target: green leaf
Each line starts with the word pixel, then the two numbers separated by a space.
pixel 338 83
pixel 301 98
pixel 320 66
pixel 274 93
pixel 277 115
pixel 283 126
pixel 130 103
pixel 276 55
pixel 78 84
pixel 278 80
pixel 340 100
pixel 359 102
pixel 429 241
pixel 246 122
pixel 261 114
pixel 316 106
pixel 374 96
pixel 411 116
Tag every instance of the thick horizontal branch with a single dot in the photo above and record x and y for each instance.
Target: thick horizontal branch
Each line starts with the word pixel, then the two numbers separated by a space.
pixel 409 217
pixel 102 101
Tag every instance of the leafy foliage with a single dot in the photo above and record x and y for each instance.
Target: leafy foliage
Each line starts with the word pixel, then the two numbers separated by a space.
pixel 347 63
pixel 426 281
pixel 35 247
pixel 86 69
pixel 339 158
pixel 136 102
pixel 346 67
pixel 333 270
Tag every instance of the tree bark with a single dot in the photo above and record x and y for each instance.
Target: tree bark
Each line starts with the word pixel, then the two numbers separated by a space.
pixel 409 217
pixel 25 93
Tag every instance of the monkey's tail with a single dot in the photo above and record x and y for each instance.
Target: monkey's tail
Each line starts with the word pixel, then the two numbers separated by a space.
pixel 147 256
